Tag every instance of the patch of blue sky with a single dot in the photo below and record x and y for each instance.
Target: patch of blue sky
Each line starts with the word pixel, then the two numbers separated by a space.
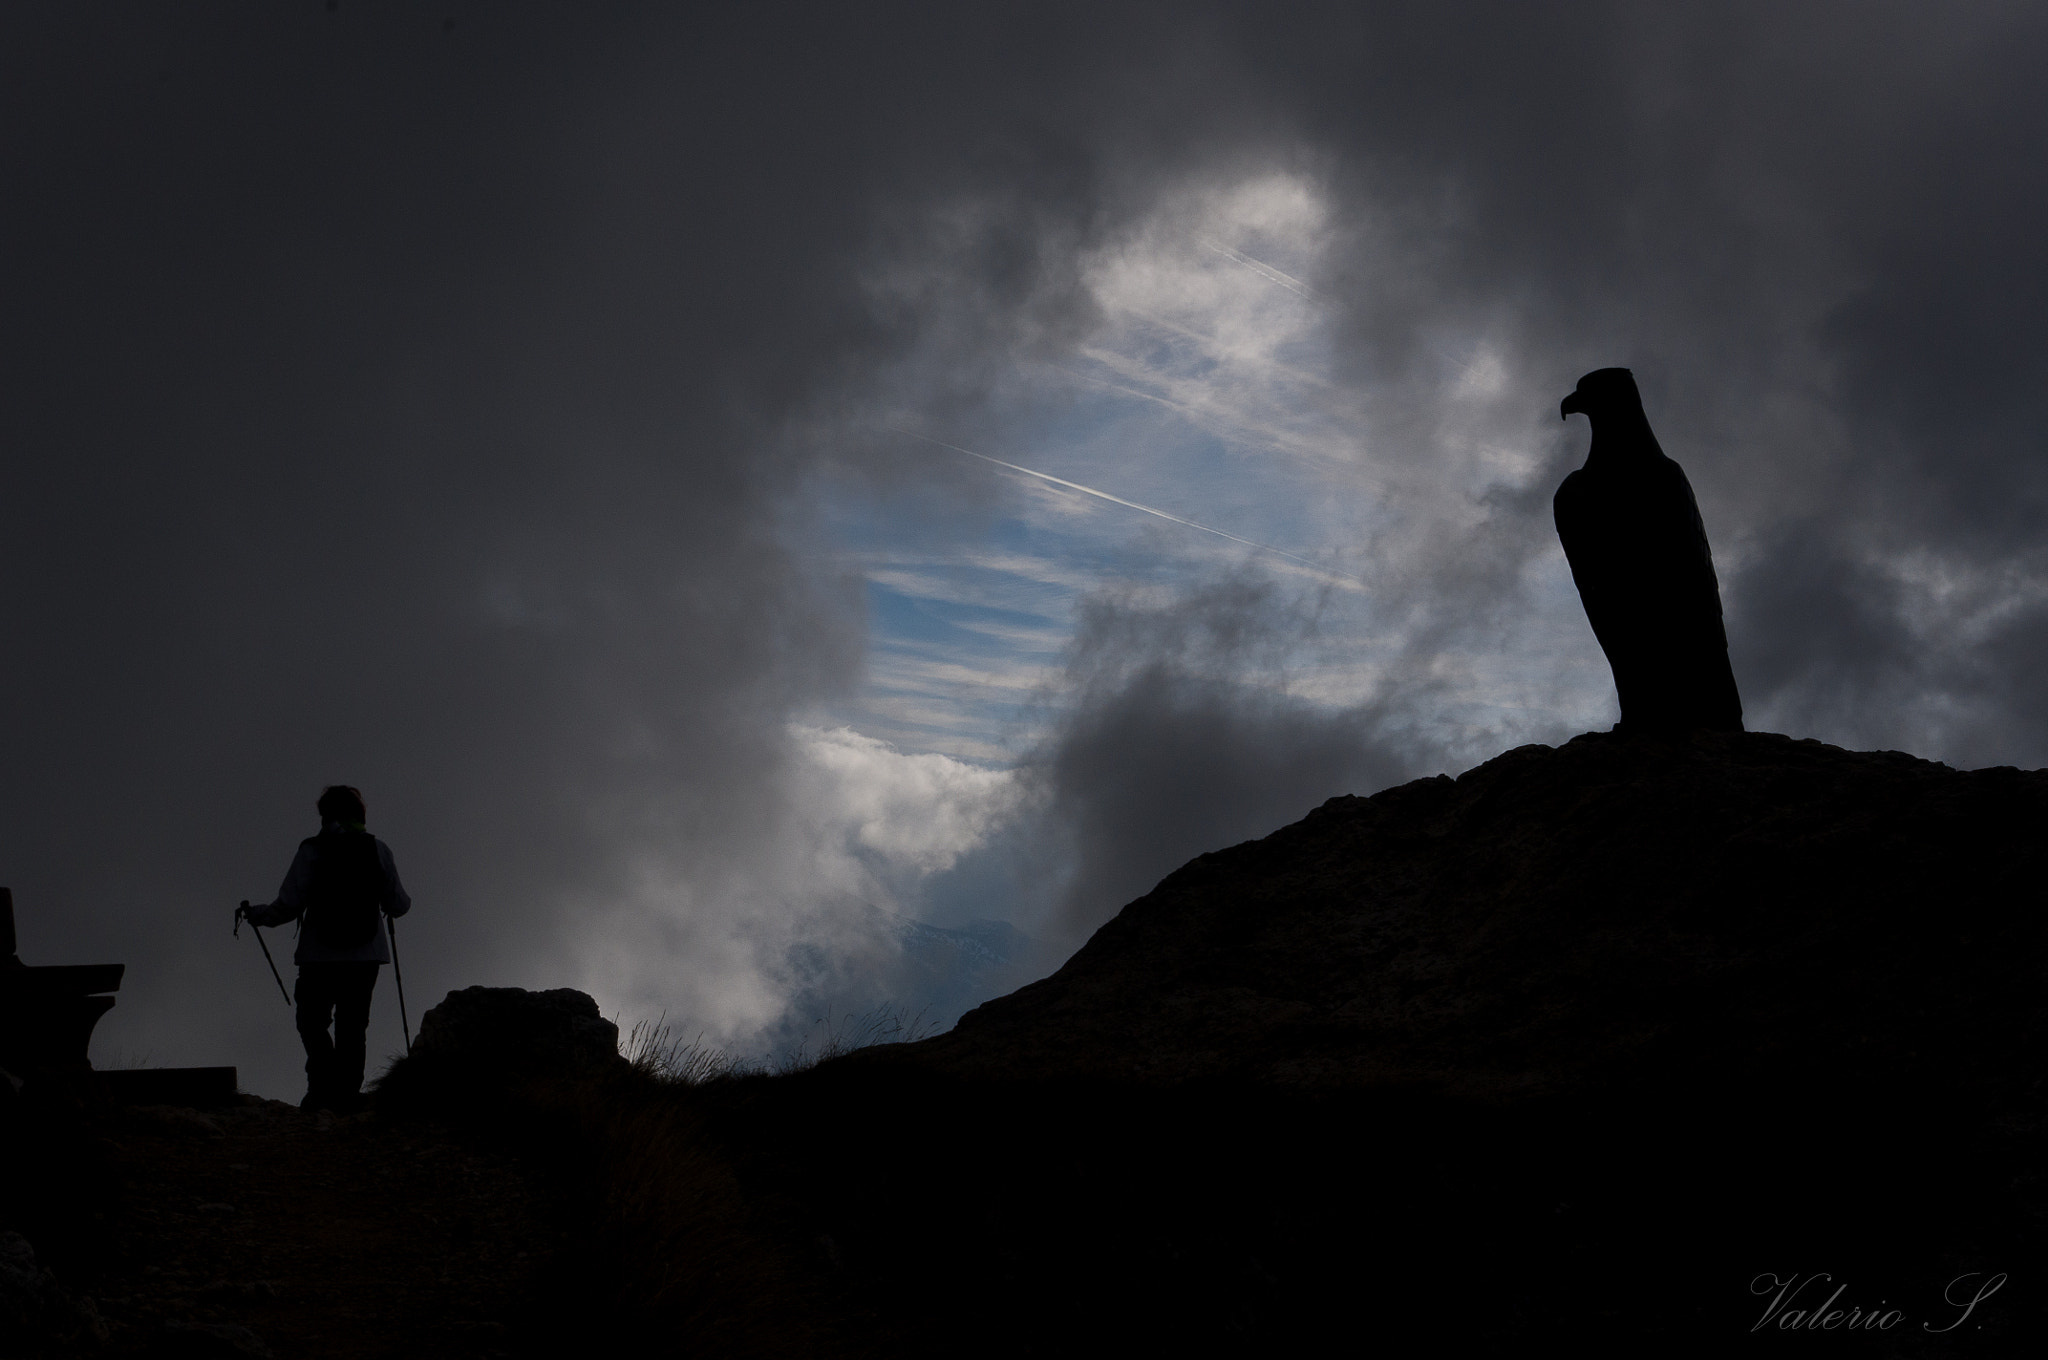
pixel 949 671
pixel 1207 393
pixel 967 639
pixel 1197 473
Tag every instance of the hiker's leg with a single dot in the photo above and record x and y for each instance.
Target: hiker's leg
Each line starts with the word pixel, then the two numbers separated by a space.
pixel 314 992
pixel 351 1021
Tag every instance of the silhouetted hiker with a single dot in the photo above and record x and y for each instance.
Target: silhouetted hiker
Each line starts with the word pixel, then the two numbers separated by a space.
pixel 341 885
pixel 1632 532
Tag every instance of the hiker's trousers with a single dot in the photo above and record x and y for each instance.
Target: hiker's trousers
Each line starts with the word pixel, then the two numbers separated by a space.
pixel 337 993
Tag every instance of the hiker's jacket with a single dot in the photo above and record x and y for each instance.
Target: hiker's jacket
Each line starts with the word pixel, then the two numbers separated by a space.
pixel 301 886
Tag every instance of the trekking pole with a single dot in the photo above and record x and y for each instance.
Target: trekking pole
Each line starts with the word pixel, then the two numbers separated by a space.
pixel 398 976
pixel 266 951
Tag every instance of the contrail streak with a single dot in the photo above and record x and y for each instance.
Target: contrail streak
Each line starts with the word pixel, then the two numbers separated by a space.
pixel 1133 505
pixel 1259 267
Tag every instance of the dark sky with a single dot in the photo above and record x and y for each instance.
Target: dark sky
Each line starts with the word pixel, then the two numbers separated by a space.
pixel 452 402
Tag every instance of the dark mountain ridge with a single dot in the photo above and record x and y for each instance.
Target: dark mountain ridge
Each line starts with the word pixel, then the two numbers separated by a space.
pixel 1594 1042
pixel 1612 912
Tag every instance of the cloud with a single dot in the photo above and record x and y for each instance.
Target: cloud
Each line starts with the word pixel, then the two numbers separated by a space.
pixel 722 945
pixel 471 415
pixel 919 811
pixel 1469 231
pixel 1178 735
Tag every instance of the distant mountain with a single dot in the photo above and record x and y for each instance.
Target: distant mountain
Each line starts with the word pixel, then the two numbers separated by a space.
pixel 949 970
pixel 924 975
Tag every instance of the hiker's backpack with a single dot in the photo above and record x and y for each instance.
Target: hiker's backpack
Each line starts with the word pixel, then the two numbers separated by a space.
pixel 347 888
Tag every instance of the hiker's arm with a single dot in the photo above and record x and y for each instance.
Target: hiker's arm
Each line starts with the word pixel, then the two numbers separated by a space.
pixel 291 898
pixel 269 913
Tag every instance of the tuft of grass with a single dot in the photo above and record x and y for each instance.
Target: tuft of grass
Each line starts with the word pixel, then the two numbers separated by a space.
pixel 659 1054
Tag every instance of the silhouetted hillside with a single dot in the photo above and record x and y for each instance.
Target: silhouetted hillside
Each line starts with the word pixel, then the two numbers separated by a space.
pixel 1636 1047
pixel 1611 912
pixel 1627 1045
pixel 1590 1043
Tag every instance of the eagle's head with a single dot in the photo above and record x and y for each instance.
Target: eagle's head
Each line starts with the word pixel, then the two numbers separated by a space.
pixel 1601 391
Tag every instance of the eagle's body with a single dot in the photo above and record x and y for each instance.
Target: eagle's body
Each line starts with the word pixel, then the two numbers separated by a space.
pixel 1638 551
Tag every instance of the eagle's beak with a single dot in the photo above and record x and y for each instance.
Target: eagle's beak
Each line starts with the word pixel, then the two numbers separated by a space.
pixel 1569 405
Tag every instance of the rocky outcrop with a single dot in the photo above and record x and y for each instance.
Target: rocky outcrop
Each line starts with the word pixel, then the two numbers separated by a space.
pixel 1731 907
pixel 509 1031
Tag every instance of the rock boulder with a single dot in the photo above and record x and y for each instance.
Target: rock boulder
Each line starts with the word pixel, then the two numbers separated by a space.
pixel 509 1031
